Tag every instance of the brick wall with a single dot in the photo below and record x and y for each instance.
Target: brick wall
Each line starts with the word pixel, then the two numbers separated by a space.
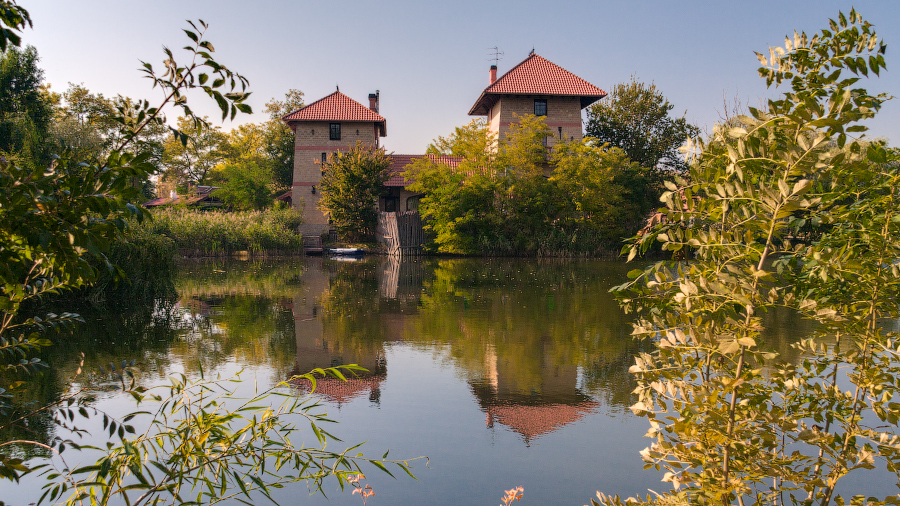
pixel 311 139
pixel 563 115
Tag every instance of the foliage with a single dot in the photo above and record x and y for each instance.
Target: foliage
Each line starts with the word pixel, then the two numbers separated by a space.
pixel 24 111
pixel 511 495
pixel 86 127
pixel 279 139
pixel 489 198
pixel 733 421
pixel 256 160
pixel 147 263
pixel 219 233
pixel 636 118
pixel 13 18
pixel 204 444
pixel 246 187
pixel 57 221
pixel 351 183
pixel 458 199
pixel 189 162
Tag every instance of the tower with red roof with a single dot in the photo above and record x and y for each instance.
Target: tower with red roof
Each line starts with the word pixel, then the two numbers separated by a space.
pixel 540 87
pixel 330 124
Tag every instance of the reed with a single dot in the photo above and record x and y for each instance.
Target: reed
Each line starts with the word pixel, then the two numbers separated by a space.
pixel 213 233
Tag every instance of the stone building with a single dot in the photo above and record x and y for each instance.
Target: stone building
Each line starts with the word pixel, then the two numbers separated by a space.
pixel 336 122
pixel 330 124
pixel 540 87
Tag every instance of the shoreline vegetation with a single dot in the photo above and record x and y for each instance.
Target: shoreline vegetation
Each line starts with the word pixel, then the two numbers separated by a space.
pixel 272 232
pixel 147 254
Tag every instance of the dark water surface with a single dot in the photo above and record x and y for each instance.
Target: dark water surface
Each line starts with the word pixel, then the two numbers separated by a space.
pixel 503 372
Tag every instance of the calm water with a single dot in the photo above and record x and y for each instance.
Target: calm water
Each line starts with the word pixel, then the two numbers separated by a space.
pixel 503 372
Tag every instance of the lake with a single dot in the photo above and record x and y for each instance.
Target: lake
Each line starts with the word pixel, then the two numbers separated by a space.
pixel 502 372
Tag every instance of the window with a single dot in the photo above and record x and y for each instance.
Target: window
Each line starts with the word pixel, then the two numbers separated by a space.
pixel 390 205
pixel 335 132
pixel 540 107
pixel 324 158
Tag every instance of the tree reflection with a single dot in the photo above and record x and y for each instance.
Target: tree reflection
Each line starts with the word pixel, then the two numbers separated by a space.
pixel 540 342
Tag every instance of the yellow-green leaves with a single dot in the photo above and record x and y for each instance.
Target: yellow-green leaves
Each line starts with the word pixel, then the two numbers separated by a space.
pixel 786 210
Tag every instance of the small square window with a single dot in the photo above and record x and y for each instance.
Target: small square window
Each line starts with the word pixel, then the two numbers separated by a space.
pixel 335 132
pixel 540 107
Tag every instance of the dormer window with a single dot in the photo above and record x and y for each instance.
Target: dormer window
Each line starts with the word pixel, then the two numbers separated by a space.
pixel 540 107
pixel 334 132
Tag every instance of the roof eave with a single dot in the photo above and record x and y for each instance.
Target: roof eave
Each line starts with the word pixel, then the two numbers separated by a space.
pixel 483 104
pixel 587 100
pixel 487 100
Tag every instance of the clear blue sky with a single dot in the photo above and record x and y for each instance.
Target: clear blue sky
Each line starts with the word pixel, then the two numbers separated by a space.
pixel 430 59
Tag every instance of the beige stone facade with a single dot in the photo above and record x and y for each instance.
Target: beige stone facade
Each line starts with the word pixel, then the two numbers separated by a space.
pixel 563 115
pixel 312 142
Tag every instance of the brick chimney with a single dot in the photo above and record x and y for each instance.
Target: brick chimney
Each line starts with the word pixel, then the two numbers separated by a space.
pixel 373 100
pixel 493 74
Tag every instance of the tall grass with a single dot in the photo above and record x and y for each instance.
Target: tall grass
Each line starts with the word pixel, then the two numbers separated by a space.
pixel 211 233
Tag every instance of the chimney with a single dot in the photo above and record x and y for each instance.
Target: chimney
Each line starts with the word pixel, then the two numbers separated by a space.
pixel 373 102
pixel 493 74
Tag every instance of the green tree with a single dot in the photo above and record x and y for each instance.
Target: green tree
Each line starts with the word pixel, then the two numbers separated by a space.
pixel 458 198
pixel 86 128
pixel 25 112
pixel 245 186
pixel 734 422
pixel 352 180
pixel 636 118
pixel 188 160
pixel 593 202
pixel 279 139
pixel 517 197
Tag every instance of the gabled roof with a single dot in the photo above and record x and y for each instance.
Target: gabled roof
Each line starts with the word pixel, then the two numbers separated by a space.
pixel 337 107
pixel 400 162
pixel 537 75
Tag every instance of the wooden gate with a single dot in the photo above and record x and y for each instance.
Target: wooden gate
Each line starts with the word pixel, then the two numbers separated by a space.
pixel 401 233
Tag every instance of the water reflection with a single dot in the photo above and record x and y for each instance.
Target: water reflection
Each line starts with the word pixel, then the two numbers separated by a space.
pixel 320 343
pixel 534 340
pixel 497 366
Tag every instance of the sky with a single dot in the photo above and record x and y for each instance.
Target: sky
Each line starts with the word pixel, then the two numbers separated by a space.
pixel 430 60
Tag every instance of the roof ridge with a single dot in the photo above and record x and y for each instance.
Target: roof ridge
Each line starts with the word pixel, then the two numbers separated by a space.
pixel 536 75
pixel 304 106
pixel 530 56
pixel 337 107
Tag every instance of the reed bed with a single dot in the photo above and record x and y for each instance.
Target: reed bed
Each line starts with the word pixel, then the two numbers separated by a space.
pixel 213 233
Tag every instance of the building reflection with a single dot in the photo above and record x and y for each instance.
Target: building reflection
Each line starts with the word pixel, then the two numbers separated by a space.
pixel 521 378
pixel 320 346
pixel 545 404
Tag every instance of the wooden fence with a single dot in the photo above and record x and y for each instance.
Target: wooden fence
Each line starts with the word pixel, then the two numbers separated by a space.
pixel 401 233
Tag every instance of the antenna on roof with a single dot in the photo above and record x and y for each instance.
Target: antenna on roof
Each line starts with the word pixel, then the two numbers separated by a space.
pixel 532 51
pixel 338 87
pixel 495 54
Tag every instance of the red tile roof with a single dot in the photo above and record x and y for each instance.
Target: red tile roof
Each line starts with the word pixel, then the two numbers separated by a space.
pixel 537 76
pixel 339 391
pixel 337 107
pixel 400 162
pixel 535 421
